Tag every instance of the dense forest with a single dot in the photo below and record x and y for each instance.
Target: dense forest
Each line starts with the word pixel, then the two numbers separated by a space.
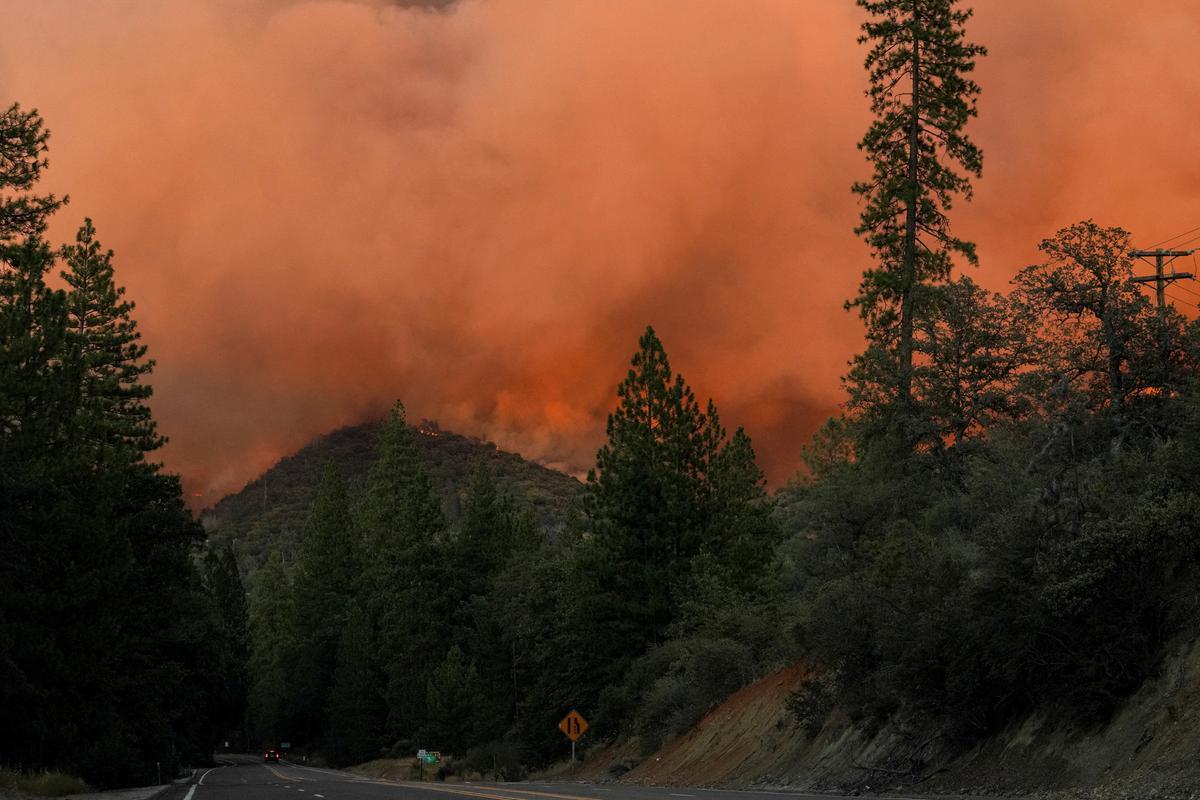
pixel 1000 519
pixel 122 653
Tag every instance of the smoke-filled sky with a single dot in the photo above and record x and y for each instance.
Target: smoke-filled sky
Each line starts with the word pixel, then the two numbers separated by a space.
pixel 322 205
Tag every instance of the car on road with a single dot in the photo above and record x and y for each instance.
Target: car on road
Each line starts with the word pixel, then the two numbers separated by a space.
pixel 271 755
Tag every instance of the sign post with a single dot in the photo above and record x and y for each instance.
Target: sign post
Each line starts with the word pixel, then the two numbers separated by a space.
pixel 573 725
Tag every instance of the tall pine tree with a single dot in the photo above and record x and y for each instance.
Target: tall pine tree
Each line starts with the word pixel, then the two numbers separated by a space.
pixel 922 97
pixel 326 585
pixel 105 338
pixel 407 595
pixel 228 595
pixel 273 648
pixel 354 713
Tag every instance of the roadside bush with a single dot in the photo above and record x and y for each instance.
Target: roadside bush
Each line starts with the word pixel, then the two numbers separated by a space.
pixel 693 676
pixel 42 784
pixel 500 759
pixel 811 704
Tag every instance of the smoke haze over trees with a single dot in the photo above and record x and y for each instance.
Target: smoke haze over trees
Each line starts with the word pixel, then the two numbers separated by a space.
pixel 992 523
pixel 554 179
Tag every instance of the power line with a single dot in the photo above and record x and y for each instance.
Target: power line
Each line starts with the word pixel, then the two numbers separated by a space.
pixel 1189 291
pixel 1186 242
pixel 1176 236
pixel 1181 301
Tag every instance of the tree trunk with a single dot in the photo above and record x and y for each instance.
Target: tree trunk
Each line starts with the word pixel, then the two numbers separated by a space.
pixel 909 275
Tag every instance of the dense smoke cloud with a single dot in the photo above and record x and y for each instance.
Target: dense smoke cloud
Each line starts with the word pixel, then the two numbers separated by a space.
pixel 322 205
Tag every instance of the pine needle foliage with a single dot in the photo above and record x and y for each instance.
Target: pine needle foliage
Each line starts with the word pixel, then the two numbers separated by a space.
pixel 922 97
pixel 105 338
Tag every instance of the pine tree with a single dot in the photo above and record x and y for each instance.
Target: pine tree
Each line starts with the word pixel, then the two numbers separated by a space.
pixel 23 147
pixel 326 584
pixel 354 713
pixel 743 534
pixel 922 98
pixel 110 656
pixel 228 596
pixel 649 504
pixel 104 335
pixel 407 594
pixel 400 508
pixel 35 397
pixel 453 696
pixel 273 646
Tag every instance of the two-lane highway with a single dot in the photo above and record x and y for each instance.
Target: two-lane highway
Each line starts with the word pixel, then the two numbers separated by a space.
pixel 246 779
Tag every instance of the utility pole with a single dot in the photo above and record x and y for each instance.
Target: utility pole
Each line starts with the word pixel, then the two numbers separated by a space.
pixel 1161 280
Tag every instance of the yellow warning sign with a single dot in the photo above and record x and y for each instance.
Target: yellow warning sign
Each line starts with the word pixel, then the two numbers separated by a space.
pixel 573 725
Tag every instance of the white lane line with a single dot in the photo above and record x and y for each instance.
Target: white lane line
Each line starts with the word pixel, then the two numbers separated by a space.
pixel 205 775
pixel 191 792
pixel 682 795
pixel 317 795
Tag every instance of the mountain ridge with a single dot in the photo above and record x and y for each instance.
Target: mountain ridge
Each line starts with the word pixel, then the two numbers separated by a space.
pixel 268 513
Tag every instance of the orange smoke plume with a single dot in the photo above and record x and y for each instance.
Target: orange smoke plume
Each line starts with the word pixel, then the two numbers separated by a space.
pixel 322 205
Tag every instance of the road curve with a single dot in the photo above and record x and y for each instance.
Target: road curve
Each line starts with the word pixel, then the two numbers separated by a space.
pixel 246 779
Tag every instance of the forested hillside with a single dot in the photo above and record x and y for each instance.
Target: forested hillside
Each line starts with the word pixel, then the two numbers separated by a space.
pixel 999 521
pixel 270 512
pixel 397 627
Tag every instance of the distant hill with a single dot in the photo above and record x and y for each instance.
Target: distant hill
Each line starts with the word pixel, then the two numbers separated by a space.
pixel 269 513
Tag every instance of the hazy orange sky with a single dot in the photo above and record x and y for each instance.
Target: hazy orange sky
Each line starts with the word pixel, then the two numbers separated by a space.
pixel 323 205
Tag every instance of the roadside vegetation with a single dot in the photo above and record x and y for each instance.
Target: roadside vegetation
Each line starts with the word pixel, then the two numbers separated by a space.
pixel 120 654
pixel 42 784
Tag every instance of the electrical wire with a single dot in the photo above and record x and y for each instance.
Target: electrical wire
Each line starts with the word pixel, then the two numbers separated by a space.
pixel 1186 242
pixel 1181 300
pixel 1186 289
pixel 1173 238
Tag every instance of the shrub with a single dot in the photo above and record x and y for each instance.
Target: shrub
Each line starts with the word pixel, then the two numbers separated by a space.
pixel 43 784
pixel 811 703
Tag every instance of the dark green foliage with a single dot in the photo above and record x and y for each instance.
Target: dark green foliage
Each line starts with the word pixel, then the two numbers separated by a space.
pixel 354 717
pixel 409 594
pixel 674 511
pixel 114 654
pixel 922 98
pixel 453 697
pixel 228 594
pixel 105 339
pixel 23 147
pixel 972 349
pixel 649 502
pixel 326 583
pixel 1014 587
pixel 1084 287
pixel 273 649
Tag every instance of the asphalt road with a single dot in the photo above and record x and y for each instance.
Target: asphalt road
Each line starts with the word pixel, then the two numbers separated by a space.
pixel 246 779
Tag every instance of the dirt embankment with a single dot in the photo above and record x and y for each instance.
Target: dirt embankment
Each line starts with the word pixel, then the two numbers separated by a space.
pixel 1150 748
